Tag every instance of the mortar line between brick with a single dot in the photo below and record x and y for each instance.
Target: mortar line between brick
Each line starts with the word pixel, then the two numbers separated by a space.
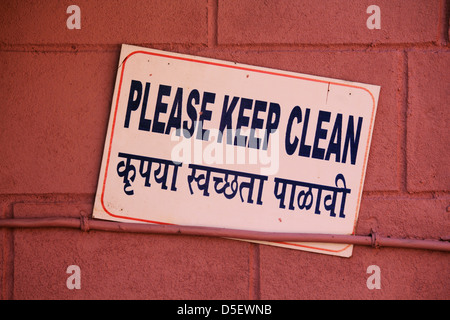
pixel 443 25
pixel 329 46
pixel 46 196
pixel 404 120
pixel 255 272
pixel 392 195
pixel 4 264
pixel 84 47
pixel 8 259
pixel 403 135
pixel 212 17
pixel 213 42
pixel 9 292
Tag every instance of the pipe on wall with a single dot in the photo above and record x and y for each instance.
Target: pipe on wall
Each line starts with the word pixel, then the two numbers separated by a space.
pixel 86 224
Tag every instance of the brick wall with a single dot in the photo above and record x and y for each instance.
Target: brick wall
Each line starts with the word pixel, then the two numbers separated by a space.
pixel 56 88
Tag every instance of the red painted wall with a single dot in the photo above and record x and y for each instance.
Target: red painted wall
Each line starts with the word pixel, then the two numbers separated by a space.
pixel 56 88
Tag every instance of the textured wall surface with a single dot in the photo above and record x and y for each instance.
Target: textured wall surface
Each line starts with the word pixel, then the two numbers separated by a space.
pixel 56 87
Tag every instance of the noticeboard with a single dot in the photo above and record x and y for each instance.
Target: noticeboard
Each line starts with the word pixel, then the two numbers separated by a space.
pixel 203 142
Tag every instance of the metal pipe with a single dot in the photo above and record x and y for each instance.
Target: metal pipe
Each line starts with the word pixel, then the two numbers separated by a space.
pixel 86 224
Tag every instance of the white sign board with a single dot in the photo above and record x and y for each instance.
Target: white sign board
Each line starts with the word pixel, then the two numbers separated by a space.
pixel 202 142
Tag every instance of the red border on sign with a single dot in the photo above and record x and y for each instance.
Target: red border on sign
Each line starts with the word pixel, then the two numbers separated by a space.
pixel 243 68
